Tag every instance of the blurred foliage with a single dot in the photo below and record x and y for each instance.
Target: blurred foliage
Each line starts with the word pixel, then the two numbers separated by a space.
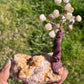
pixel 22 32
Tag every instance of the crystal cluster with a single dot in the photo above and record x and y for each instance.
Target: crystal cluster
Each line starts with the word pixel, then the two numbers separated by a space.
pixel 34 69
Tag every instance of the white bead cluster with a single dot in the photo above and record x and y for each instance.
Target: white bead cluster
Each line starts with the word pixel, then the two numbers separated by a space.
pixel 66 17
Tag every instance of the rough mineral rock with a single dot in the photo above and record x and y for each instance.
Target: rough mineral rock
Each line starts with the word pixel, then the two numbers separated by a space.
pixel 34 69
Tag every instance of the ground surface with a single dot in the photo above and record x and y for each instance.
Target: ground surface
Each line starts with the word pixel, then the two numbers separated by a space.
pixel 22 32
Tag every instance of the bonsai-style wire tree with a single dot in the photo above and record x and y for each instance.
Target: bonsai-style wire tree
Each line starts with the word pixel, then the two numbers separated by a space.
pixel 55 29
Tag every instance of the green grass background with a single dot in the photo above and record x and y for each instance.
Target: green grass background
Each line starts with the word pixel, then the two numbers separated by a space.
pixel 22 32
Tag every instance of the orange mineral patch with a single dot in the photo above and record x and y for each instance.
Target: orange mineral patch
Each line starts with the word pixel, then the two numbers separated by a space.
pixel 37 60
